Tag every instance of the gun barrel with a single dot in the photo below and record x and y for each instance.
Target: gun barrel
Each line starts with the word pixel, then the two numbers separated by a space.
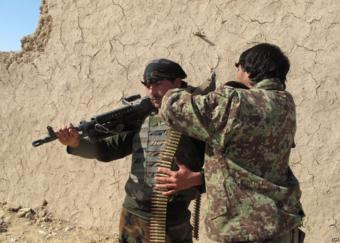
pixel 39 142
pixel 51 137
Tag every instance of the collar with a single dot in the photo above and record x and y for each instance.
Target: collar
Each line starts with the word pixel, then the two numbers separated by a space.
pixel 270 84
pixel 236 84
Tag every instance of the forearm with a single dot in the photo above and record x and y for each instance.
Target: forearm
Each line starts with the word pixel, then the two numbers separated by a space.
pixel 85 149
pixel 112 148
pixel 181 111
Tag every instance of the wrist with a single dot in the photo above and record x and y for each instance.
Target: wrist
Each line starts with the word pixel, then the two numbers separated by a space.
pixel 197 178
pixel 75 144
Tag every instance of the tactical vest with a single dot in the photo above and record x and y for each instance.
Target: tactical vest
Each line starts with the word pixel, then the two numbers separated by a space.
pixel 146 147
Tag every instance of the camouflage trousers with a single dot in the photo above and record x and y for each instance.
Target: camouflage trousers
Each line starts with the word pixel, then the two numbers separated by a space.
pixel 133 229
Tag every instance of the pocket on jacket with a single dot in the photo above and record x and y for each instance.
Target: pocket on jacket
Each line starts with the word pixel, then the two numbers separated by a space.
pixel 223 202
pixel 217 218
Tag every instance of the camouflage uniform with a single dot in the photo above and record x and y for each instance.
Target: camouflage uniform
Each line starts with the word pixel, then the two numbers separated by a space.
pixel 252 193
pixel 134 229
pixel 145 146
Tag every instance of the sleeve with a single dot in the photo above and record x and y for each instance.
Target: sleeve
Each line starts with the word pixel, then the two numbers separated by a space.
pixel 111 148
pixel 204 117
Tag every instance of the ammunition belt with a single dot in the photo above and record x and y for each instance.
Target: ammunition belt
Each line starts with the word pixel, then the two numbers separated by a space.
pixel 159 201
pixel 196 216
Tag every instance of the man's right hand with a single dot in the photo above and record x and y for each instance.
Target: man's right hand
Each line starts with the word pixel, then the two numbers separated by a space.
pixel 179 180
pixel 68 136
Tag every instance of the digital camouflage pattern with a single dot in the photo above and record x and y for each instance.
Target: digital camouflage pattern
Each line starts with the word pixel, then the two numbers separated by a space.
pixel 252 193
pixel 133 229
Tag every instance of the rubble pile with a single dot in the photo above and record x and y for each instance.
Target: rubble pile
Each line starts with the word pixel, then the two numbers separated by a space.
pixel 25 225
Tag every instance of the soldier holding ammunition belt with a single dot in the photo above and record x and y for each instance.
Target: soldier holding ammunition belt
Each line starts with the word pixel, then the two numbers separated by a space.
pixel 185 180
pixel 249 129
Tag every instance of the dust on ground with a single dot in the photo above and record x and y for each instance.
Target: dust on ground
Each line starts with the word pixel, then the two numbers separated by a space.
pixel 37 225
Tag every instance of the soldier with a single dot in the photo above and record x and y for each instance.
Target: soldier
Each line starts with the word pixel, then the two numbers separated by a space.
pixel 249 129
pixel 145 145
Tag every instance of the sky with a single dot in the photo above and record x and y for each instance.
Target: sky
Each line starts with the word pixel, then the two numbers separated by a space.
pixel 18 18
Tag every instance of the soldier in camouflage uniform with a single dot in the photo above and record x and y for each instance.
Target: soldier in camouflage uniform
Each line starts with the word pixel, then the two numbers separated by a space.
pixel 249 129
pixel 184 183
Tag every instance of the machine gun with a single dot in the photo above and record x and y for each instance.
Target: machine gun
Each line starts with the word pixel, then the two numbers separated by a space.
pixel 127 118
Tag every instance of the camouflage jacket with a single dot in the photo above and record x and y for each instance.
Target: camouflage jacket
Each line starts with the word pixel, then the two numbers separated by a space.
pixel 145 146
pixel 252 193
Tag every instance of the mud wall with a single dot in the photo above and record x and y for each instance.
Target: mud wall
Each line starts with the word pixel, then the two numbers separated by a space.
pixel 86 54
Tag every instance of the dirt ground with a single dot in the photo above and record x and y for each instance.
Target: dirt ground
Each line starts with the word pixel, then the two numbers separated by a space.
pixel 27 225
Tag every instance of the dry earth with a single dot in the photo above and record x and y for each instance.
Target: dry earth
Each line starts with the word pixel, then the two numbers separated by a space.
pixel 37 225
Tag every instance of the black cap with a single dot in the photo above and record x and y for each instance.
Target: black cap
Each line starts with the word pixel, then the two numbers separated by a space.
pixel 160 69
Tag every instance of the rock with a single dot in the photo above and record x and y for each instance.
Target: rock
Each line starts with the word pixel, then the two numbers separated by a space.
pixel 42 213
pixel 13 208
pixel 44 203
pixel 68 228
pixel 2 213
pixel 47 219
pixel 42 232
pixel 7 218
pixel 30 215
pixel 3 226
pixel 24 211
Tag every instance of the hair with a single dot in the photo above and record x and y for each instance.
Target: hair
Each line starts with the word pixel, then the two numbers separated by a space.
pixel 264 61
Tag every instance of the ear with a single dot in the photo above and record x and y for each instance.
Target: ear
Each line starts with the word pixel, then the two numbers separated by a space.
pixel 178 82
pixel 248 81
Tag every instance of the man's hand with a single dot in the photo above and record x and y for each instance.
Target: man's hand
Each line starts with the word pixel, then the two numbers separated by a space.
pixel 179 180
pixel 68 136
pixel 205 87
